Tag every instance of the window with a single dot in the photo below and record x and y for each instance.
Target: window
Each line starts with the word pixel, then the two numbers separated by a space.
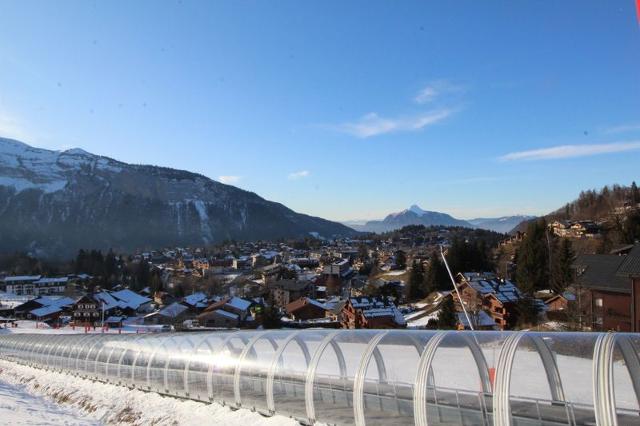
pixel 598 302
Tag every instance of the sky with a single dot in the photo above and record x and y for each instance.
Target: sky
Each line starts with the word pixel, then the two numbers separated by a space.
pixel 347 110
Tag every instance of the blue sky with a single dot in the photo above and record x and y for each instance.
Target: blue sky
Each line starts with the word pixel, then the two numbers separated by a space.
pixel 341 109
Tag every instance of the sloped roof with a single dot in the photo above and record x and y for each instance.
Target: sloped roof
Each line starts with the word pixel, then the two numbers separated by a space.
pixel 599 271
pixel 109 301
pixel 195 298
pixel 172 310
pixel 630 267
pixel 239 303
pixel 131 298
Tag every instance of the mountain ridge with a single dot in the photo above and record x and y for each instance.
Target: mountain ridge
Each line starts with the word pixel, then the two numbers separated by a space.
pixel 60 201
pixel 415 215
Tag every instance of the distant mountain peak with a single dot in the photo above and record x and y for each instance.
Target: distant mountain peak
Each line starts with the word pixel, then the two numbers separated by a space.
pixel 417 210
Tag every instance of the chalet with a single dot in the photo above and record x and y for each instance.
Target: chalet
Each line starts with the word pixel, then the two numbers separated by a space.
pixel 196 302
pixel 285 291
pixel 370 313
pixel 172 314
pixel 270 272
pixel 609 288
pixel 86 311
pixel 44 308
pixel 485 292
pixel 306 308
pixel 560 302
pixel 234 312
pixel 219 318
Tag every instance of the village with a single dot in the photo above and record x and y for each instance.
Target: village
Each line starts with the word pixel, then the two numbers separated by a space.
pixel 319 283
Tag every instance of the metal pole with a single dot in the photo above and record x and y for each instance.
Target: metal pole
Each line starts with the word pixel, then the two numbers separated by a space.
pixel 455 287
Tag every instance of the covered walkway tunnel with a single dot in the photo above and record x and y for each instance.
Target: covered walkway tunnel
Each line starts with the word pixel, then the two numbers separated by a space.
pixel 372 377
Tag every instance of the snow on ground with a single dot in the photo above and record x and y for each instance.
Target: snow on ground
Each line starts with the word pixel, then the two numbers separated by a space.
pixel 49 398
pixel 18 407
pixel 38 327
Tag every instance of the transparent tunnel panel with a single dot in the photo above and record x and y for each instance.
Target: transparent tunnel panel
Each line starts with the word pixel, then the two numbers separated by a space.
pixel 374 377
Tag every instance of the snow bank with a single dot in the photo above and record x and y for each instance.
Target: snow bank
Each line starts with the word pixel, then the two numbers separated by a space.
pixel 103 403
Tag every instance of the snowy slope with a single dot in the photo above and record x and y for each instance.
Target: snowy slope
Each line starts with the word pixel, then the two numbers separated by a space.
pixel 83 402
pixel 19 407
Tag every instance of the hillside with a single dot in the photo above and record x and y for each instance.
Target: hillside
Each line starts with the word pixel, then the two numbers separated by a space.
pixel 55 202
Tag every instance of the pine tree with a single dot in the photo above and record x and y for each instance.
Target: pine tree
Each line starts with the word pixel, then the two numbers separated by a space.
pixel 448 318
pixel 416 282
pixel 532 270
pixel 562 274
pixel 635 193
pixel 401 259
pixel 437 277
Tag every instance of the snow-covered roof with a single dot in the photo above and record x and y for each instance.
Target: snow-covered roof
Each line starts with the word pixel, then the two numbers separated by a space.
pixel 505 291
pixel 195 298
pixel 46 310
pixel 173 310
pixel 22 278
pixel 483 319
pixel 49 281
pixel 107 301
pixel 131 298
pixel 226 314
pixel 239 303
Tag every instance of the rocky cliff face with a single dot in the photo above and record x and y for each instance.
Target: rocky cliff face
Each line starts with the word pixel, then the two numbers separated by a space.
pixel 56 202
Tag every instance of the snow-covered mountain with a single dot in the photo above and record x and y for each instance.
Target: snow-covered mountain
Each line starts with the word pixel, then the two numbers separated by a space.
pixel 56 202
pixel 414 215
pixel 500 224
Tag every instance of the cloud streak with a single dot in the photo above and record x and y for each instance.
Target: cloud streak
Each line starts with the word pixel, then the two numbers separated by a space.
pixel 299 175
pixel 229 179
pixel 571 151
pixel 433 90
pixel 625 128
pixel 373 125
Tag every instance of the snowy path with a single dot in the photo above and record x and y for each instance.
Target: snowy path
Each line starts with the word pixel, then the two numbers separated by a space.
pixel 18 407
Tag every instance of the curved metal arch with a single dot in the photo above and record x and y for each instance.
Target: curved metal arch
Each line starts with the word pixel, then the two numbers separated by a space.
pixel 110 348
pixel 86 357
pixel 134 340
pixel 204 341
pixel 313 366
pixel 425 372
pixel 238 368
pixel 295 336
pixel 504 366
pixel 141 350
pixel 358 384
pixel 162 346
pixel 172 357
pixel 604 402
pixel 108 362
pixel 66 362
pixel 219 348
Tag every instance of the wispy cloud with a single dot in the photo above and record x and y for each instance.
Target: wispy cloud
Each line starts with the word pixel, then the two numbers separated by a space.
pixel 372 124
pixel 299 175
pixel 624 128
pixel 229 179
pixel 436 88
pixel 571 151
